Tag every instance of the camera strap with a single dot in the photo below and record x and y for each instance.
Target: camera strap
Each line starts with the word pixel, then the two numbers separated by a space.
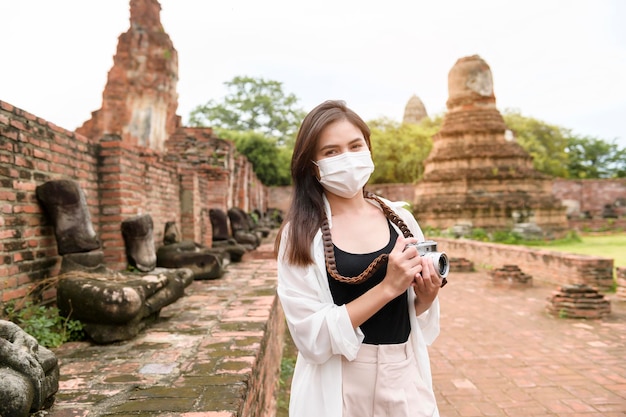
pixel 329 251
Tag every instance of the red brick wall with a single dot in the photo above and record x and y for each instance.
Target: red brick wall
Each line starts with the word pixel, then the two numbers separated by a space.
pixel 119 180
pixel 33 151
pixel 279 198
pixel 592 195
pixel 394 192
pixel 134 181
pixel 554 267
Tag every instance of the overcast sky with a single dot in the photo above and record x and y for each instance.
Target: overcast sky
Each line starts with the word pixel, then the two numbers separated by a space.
pixel 561 61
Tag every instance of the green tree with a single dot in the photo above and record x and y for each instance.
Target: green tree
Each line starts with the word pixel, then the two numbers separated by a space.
pixel 558 152
pixel 399 149
pixel 254 105
pixel 271 163
pixel 595 158
pixel 546 143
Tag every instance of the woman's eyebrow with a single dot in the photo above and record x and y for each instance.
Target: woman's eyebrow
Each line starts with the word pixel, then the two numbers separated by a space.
pixel 333 145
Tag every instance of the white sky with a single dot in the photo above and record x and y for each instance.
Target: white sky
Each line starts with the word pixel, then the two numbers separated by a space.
pixel 561 61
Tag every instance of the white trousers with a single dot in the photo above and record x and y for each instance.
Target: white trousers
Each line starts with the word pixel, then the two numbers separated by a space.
pixel 384 381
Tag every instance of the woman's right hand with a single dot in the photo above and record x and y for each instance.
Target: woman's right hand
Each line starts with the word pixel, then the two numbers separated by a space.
pixel 402 267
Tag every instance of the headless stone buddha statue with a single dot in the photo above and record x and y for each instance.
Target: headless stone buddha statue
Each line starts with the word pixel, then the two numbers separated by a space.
pixel 205 263
pixel 111 305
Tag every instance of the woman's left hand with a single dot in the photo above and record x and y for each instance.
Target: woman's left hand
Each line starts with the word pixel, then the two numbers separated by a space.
pixel 426 285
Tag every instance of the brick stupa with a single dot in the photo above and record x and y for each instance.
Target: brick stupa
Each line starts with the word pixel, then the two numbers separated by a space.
pixel 476 173
pixel 414 111
pixel 139 101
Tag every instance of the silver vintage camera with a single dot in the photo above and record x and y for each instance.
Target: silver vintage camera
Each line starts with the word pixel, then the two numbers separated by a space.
pixel 428 248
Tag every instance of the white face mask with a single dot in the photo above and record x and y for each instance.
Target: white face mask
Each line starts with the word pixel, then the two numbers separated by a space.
pixel 345 175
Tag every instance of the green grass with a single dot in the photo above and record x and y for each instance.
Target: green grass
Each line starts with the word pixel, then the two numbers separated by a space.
pixel 606 246
pixel 286 372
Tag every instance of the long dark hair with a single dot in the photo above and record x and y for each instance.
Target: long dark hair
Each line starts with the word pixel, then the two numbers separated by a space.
pixel 307 205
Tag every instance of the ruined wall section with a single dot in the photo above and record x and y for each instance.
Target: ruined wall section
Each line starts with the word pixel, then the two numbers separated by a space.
pixel 121 161
pixel 139 101
pixel 588 197
pixel 134 181
pixel 33 151
pixel 214 175
pixel 120 181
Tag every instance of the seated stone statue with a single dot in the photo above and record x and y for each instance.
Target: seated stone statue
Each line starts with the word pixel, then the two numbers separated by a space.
pixel 219 225
pixel 259 222
pixel 29 373
pixel 139 242
pixel 609 212
pixel 242 230
pixel 275 216
pixel 222 240
pixel 117 306
pixel 65 204
pixel 204 263
pixel 112 306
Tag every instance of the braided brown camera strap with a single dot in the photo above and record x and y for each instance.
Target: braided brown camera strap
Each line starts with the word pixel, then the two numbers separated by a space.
pixel 329 251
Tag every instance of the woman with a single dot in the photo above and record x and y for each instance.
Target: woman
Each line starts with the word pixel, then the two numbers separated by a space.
pixel 360 305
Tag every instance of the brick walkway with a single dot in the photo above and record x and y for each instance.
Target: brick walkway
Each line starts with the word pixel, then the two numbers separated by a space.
pixel 499 354
pixel 200 359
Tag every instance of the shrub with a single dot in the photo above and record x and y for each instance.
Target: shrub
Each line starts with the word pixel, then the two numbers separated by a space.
pixel 45 324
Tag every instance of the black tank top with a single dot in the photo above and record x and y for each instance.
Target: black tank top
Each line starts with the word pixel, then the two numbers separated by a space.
pixel 390 325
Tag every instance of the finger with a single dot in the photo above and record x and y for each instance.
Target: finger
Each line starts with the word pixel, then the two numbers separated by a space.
pixel 420 282
pixel 419 268
pixel 425 263
pixel 402 242
pixel 432 274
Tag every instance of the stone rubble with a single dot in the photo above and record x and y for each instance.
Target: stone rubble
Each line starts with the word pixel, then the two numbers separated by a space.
pixel 512 276
pixel 578 302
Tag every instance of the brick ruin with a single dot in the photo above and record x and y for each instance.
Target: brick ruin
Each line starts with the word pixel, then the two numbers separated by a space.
pixel 140 99
pixel 132 157
pixel 475 174
pixel 578 302
pixel 414 111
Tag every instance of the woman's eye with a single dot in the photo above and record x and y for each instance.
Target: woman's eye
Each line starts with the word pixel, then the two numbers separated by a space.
pixel 357 146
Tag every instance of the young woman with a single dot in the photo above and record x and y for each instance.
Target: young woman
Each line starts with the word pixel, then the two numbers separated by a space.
pixel 360 305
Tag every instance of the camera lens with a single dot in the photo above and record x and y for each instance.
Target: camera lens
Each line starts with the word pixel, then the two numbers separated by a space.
pixel 442 265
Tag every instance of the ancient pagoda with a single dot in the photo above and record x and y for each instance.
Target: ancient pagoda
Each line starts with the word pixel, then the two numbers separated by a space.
pixel 476 173
pixel 414 111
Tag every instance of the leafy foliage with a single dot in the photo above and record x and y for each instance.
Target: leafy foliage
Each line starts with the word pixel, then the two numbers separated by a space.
pixel 399 149
pixel 45 324
pixel 270 161
pixel 558 152
pixel 261 119
pixel 253 105
pixel 595 158
pixel 544 142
